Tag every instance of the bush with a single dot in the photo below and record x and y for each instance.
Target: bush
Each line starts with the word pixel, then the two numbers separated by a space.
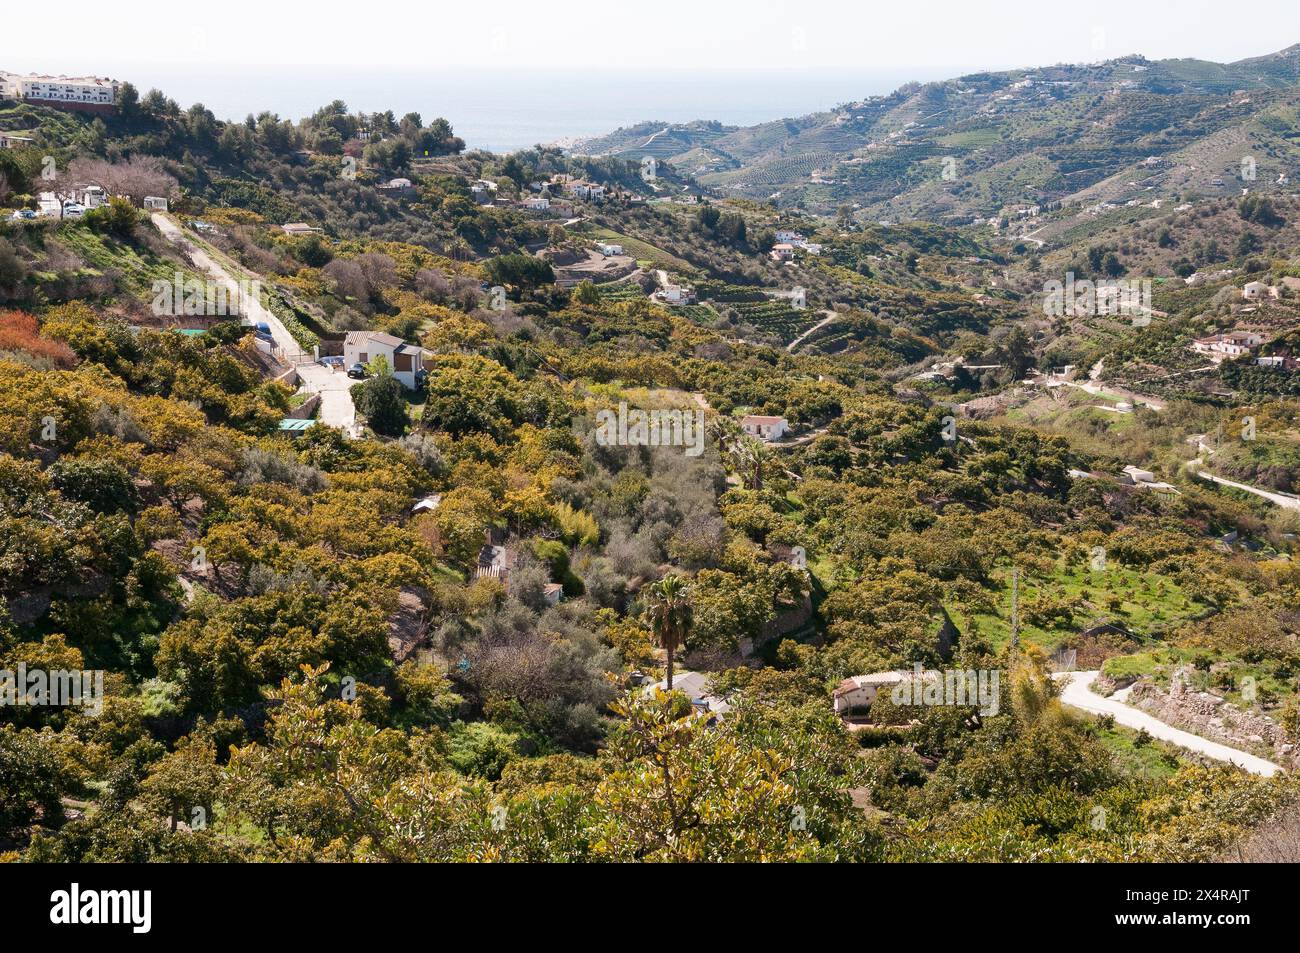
pixel 381 402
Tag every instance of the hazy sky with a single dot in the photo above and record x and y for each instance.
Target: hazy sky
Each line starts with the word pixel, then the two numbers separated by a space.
pixel 133 36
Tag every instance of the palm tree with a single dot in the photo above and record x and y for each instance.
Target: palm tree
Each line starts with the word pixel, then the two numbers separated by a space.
pixel 671 614
pixel 755 457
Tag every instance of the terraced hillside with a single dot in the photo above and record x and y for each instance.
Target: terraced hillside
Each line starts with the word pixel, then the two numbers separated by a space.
pixel 970 147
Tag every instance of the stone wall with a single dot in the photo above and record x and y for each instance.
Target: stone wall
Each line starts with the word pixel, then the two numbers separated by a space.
pixel 1212 717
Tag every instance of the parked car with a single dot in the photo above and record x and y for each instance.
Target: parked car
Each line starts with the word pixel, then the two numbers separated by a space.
pixel 263 328
pixel 357 370
pixel 73 210
pixel 23 213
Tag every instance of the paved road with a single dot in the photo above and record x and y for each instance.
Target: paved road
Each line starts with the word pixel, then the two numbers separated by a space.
pixel 336 407
pixel 1278 499
pixel 1077 693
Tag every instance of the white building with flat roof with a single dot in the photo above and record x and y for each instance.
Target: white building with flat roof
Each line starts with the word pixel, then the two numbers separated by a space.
pixel 90 91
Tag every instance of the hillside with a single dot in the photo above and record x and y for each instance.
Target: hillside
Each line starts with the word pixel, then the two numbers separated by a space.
pixel 535 508
pixel 975 146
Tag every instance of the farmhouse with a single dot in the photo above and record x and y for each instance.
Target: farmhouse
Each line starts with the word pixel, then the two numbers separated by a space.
pixel 782 251
pixel 765 428
pixel 1232 344
pixel 696 687
pixel 608 250
pixel 861 690
pixel 406 360
pixel 1254 290
pixel 676 294
pixel 298 228
pixel 588 191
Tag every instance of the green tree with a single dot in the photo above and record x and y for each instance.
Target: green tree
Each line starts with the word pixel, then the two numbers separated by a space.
pixel 381 401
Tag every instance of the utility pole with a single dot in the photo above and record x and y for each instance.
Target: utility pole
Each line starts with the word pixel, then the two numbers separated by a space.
pixel 1015 607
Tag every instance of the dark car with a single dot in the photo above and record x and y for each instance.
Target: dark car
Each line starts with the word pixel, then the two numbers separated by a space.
pixel 357 370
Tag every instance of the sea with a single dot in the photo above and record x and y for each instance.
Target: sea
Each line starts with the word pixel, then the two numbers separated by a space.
pixel 506 110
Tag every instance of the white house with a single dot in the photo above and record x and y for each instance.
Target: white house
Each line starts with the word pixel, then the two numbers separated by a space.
pixel 695 686
pixel 782 251
pixel 586 190
pixel 677 294
pixel 789 237
pixel 537 203
pixel 765 428
pixel 1232 344
pixel 861 690
pixel 405 360
pixel 1254 289
pixel 13 142
pixel 1138 475
pixel 608 250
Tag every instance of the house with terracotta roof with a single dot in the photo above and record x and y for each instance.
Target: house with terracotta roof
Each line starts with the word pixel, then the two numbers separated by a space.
pixel 860 691
pixel 763 427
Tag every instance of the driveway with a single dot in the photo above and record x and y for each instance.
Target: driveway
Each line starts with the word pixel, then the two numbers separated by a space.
pixel 336 407
pixel 1077 693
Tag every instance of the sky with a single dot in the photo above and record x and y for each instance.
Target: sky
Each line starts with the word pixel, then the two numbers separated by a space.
pixel 274 37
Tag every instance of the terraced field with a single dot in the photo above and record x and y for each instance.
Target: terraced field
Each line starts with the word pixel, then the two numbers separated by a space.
pixel 620 292
pixel 767 315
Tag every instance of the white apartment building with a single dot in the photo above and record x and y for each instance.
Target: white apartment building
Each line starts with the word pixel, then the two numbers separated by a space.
pixel 70 90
